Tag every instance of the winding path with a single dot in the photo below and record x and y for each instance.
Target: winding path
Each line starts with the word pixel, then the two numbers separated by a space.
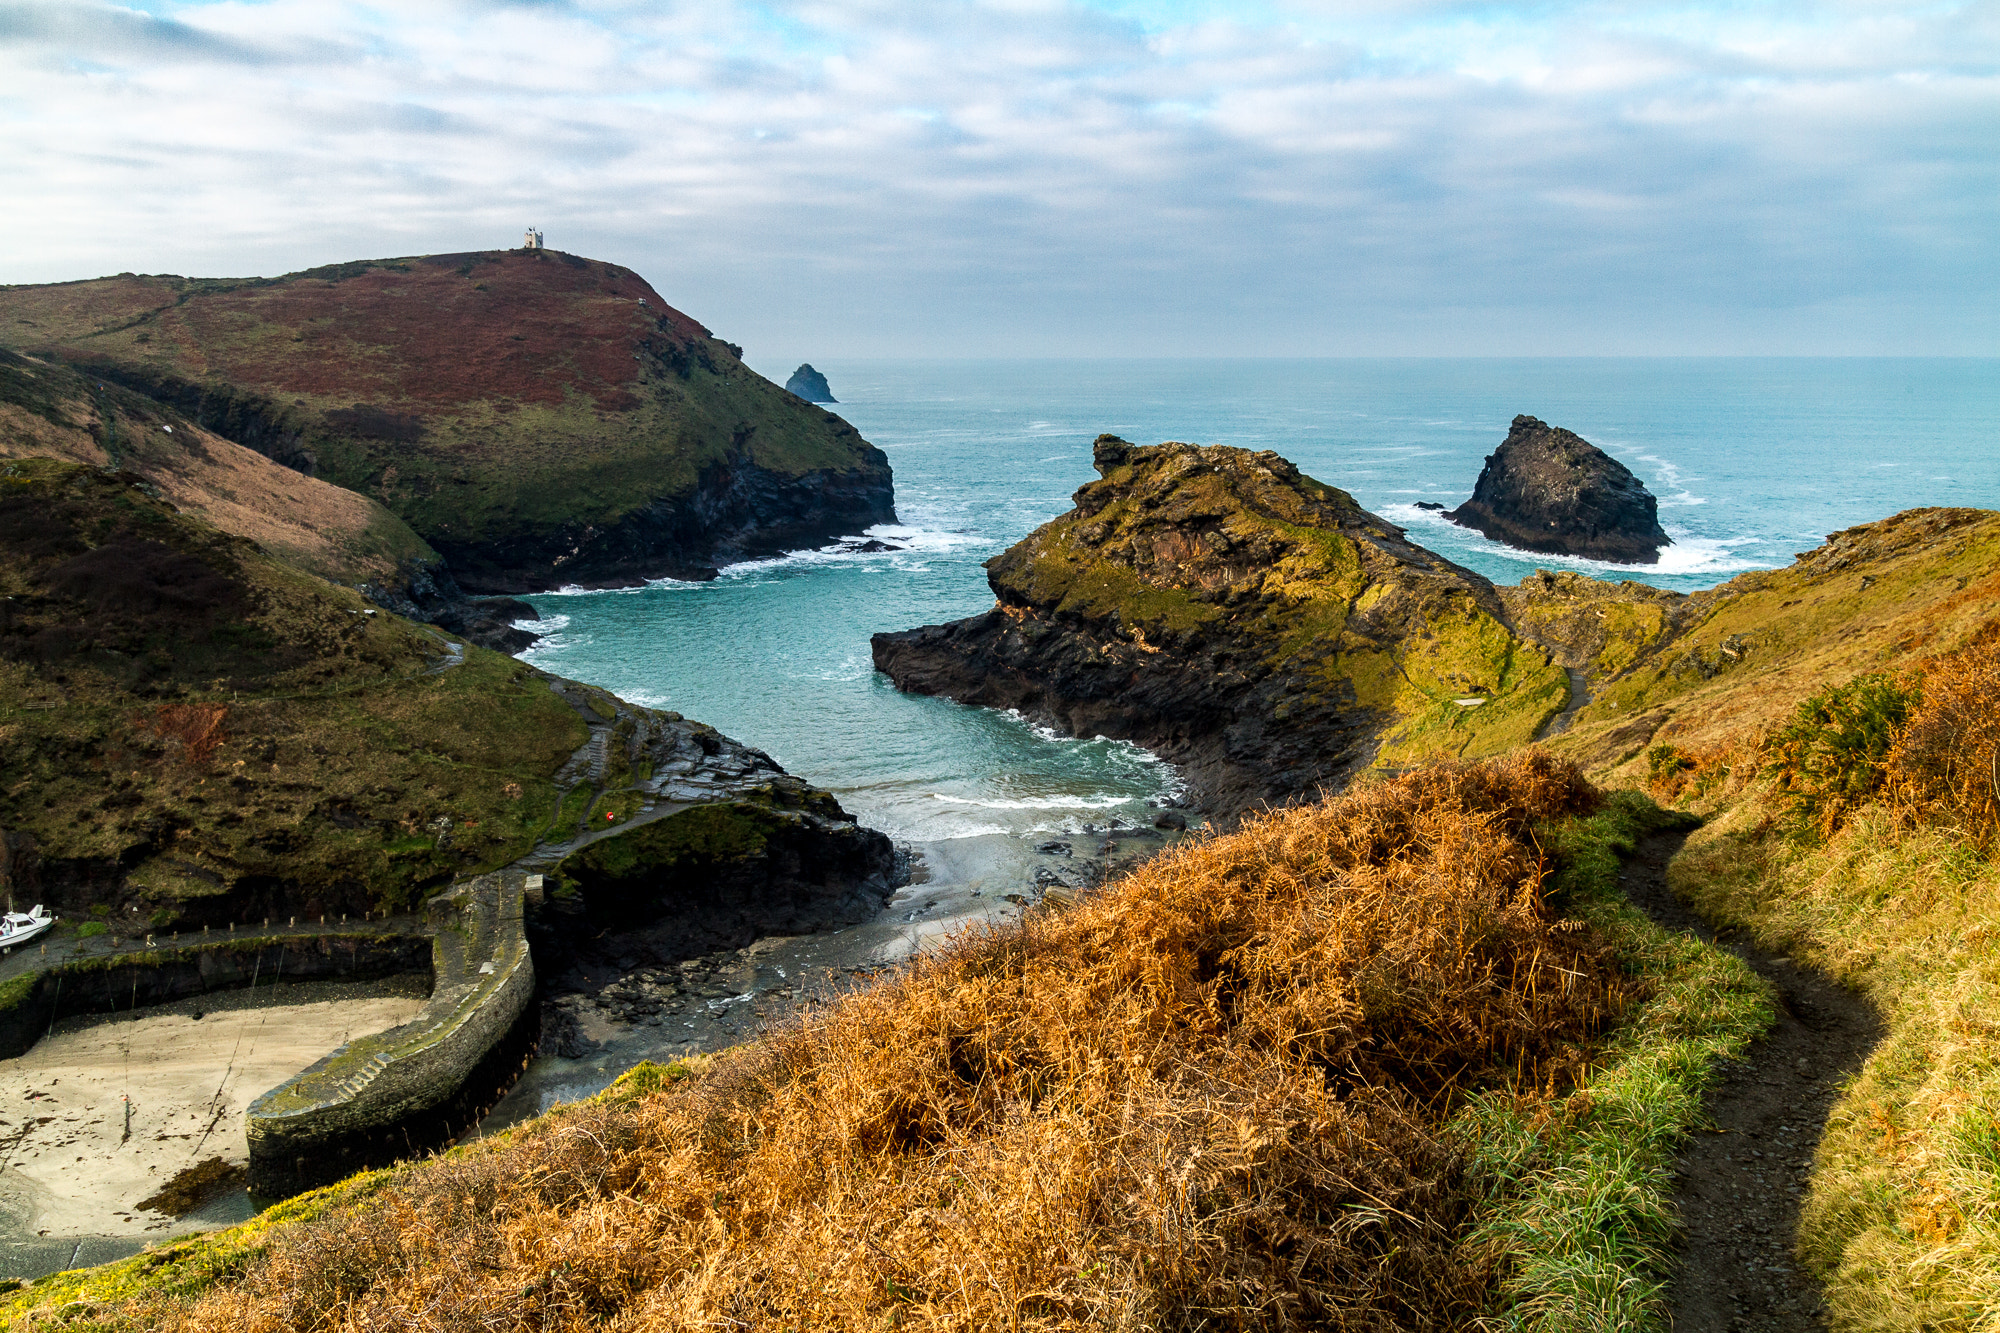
pixel 1741 1182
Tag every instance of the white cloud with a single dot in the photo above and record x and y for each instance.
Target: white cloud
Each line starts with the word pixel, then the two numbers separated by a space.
pixel 1042 176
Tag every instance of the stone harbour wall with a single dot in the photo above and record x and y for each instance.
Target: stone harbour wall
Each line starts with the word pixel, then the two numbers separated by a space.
pixel 36 996
pixel 399 1093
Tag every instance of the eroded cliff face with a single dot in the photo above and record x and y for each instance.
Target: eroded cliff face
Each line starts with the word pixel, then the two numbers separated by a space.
pixel 1550 490
pixel 539 418
pixel 1253 625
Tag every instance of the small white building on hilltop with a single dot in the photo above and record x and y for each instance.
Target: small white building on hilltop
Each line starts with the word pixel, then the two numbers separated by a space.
pixel 533 240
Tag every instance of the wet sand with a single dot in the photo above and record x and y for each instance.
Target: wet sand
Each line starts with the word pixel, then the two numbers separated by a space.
pixel 104 1112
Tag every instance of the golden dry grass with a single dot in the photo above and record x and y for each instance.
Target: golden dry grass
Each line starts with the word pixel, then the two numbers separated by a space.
pixel 1208 1098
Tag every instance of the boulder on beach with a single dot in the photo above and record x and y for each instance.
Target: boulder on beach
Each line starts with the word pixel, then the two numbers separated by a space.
pixel 810 385
pixel 1550 490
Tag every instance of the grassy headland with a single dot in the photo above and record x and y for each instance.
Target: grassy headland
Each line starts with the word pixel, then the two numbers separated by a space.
pixel 1834 723
pixel 536 416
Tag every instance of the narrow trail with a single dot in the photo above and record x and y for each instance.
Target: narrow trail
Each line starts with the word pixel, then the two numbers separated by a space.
pixel 1741 1182
pixel 1579 695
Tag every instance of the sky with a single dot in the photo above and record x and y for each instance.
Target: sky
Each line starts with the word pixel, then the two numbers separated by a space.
pixel 1062 177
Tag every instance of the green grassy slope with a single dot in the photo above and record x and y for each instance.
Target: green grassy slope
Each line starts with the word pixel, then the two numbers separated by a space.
pixel 192 728
pixel 1705 671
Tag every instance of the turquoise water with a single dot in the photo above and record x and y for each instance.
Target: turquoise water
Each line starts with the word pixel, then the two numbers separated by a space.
pixel 1753 460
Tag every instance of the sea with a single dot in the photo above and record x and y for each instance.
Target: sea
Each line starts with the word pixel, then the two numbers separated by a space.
pixel 1753 460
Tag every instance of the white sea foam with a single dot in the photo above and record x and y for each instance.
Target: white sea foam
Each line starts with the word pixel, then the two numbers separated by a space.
pixel 1099 801
pixel 1686 556
pixel 1669 475
pixel 578 590
pixel 912 542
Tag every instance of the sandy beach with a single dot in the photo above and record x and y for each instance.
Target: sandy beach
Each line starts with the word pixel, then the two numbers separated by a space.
pixel 103 1113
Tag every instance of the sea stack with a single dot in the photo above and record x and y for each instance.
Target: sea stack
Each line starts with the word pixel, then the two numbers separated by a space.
pixel 1550 490
pixel 810 385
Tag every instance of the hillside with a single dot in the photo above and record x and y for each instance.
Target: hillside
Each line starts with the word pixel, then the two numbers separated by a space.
pixel 537 417
pixel 1255 626
pixel 1704 671
pixel 48 410
pixel 193 731
pixel 1350 1067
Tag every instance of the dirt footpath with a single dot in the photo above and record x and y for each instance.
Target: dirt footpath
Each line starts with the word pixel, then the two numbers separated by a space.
pixel 1743 1181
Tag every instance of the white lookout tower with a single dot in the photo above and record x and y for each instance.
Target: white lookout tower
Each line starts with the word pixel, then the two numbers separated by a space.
pixel 533 240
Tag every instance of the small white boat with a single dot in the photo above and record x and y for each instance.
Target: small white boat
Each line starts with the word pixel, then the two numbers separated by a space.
pixel 20 927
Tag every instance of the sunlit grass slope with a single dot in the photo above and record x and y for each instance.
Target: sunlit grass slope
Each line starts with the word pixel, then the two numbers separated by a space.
pixel 1860 838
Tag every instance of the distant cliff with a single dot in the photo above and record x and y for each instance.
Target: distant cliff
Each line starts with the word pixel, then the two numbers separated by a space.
pixel 538 418
pixel 1255 626
pixel 810 385
pixel 1550 490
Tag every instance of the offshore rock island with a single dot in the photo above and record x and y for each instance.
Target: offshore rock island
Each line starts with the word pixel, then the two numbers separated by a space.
pixel 1549 490
pixel 810 385
pixel 1252 625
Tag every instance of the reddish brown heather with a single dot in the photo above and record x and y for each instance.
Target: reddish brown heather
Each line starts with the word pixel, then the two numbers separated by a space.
pixel 193 732
pixel 1947 758
pixel 1207 1098
pixel 527 327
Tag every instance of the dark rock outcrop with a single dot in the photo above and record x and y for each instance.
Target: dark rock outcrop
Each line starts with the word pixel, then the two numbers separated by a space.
pixel 1547 489
pixel 1251 624
pixel 810 385
pixel 714 845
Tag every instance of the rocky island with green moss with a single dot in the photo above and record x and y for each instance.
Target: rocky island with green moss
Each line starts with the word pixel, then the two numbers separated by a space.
pixel 1252 625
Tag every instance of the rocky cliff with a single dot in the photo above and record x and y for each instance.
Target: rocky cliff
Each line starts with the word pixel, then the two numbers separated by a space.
pixel 1549 490
pixel 1250 623
pixel 538 418
pixel 196 732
